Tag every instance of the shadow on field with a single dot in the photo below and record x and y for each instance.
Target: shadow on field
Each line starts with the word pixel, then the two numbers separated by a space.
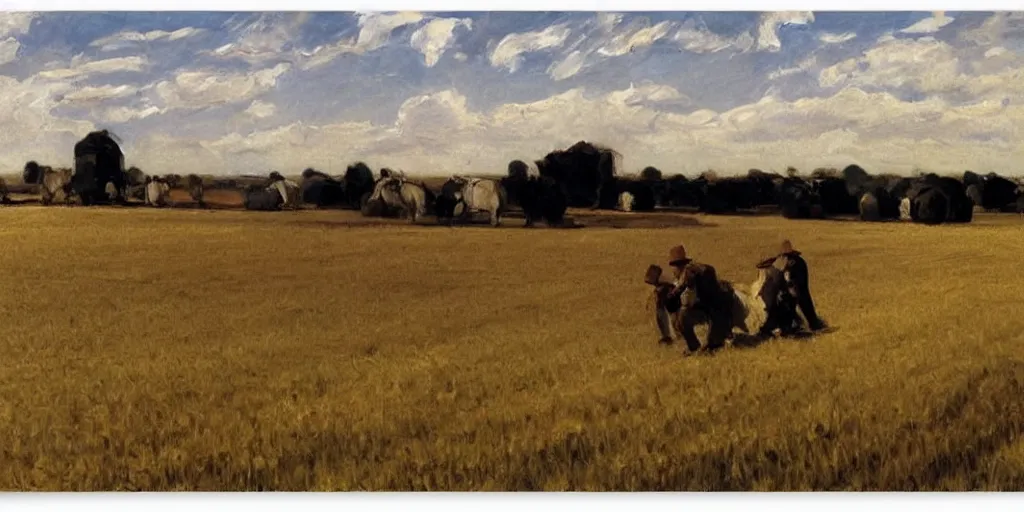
pixel 638 220
pixel 745 341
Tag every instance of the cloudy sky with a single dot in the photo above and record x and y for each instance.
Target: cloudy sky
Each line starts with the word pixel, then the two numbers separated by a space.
pixel 443 92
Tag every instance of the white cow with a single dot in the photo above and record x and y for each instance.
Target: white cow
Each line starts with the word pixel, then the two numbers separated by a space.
pixel 289 191
pixel 157 191
pixel 626 201
pixel 905 209
pixel 481 195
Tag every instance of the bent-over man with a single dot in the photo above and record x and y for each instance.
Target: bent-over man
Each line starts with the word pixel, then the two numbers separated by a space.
pixel 695 292
pixel 797 280
pixel 779 304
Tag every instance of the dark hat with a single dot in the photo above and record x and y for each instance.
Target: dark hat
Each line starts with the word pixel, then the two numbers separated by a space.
pixel 677 256
pixel 653 274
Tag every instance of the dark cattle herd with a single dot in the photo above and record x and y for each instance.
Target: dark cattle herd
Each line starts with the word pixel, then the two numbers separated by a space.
pixel 582 176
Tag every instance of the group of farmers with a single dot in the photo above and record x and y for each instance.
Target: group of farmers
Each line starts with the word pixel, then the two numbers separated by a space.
pixel 696 295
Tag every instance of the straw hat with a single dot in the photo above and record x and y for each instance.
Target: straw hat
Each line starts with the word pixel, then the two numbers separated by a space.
pixel 677 256
pixel 787 248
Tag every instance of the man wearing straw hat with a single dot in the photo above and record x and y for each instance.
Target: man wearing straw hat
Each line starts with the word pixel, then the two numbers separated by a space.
pixel 695 291
pixel 797 280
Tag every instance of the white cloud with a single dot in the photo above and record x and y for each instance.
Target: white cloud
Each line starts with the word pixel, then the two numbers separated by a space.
pixel 568 66
pixel 605 36
pixel 31 130
pixel 508 53
pixel 929 25
pixel 801 67
pixel 627 42
pixel 130 38
pixel 768 27
pixel 13 24
pixel 829 38
pixel 261 109
pixel 101 93
pixel 436 36
pixel 80 69
pixel 648 94
pixel 376 28
pixel 602 37
pixel 374 32
pixel 126 114
pixel 264 39
pixel 200 89
pixel 995 52
pixel 924 64
pixel 437 116
pixel 696 38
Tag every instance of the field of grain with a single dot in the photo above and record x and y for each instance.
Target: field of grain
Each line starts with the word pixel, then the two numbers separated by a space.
pixel 147 349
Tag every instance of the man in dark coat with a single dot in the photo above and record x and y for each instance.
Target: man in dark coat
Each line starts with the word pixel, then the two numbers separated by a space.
pixel 696 293
pixel 779 303
pixel 797 280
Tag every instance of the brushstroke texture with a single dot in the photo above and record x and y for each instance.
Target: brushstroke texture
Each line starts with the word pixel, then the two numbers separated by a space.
pixel 468 92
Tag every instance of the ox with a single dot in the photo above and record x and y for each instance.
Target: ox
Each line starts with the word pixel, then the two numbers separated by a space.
pixel 50 182
pixel 261 198
pixel 835 198
pixel 798 199
pixel 626 202
pixel 539 197
pixel 934 200
pixel 288 189
pixel 134 184
pixel 877 198
pixel 582 170
pixel 397 193
pixel 990 192
pixel 359 184
pixel 476 195
pixel 158 191
pixel 322 190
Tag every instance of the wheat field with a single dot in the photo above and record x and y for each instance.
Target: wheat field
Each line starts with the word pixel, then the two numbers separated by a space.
pixel 197 350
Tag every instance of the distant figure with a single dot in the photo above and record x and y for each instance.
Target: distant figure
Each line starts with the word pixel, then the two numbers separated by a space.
pixel 695 294
pixel 797 280
pixel 196 189
pixel 771 292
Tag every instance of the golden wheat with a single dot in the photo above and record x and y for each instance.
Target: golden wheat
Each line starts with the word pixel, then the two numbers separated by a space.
pixel 218 350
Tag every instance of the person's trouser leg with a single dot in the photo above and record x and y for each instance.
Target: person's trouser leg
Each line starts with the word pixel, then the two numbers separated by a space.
pixel 692 342
pixel 664 321
pixel 720 327
pixel 806 304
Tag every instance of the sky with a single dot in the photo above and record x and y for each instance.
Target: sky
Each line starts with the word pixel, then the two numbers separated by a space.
pixel 437 93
